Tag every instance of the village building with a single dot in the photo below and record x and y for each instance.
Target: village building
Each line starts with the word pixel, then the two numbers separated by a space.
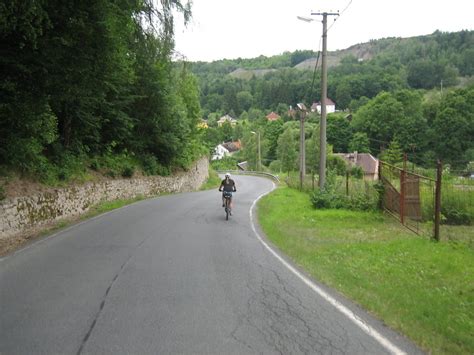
pixel 330 106
pixel 226 118
pixel 226 149
pixel 202 124
pixel 272 116
pixel 368 163
pixel 220 152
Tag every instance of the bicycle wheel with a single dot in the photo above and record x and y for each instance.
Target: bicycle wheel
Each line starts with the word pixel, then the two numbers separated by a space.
pixel 226 209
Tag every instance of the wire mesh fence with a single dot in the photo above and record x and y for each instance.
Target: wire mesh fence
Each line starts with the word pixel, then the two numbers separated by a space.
pixel 410 197
pixel 457 209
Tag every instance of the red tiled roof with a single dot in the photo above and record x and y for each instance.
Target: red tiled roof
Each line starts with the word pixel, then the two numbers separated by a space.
pixel 272 116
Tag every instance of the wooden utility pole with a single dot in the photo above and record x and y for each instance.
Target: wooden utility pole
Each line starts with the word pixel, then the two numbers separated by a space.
pixel 324 91
pixel 302 109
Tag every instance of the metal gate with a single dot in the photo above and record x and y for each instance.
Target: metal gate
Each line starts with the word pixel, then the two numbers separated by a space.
pixel 408 196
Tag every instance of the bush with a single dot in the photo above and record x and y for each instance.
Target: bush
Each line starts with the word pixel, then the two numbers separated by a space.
pixel 336 164
pixel 357 172
pixel 362 202
pixel 364 198
pixel 149 164
pixel 3 194
pixel 226 163
pixel 275 166
pixel 324 199
pixel 94 164
pixel 127 171
pixel 454 216
pixel 163 170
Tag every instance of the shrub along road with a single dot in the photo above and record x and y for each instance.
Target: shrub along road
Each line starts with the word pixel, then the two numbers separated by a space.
pixel 170 275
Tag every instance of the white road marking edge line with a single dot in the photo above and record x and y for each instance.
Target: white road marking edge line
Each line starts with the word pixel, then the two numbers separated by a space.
pixel 339 306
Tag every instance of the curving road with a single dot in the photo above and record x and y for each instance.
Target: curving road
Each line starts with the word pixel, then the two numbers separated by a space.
pixel 169 275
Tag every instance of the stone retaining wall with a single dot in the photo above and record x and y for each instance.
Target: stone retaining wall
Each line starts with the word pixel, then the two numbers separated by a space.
pixel 23 214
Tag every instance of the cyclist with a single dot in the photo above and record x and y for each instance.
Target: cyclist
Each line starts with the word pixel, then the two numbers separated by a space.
pixel 228 185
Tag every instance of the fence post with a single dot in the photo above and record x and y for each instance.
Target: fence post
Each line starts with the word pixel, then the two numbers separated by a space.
pixel 347 182
pixel 402 189
pixel 437 200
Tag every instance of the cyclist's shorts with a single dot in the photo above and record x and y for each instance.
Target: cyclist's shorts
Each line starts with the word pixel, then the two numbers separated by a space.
pixel 227 194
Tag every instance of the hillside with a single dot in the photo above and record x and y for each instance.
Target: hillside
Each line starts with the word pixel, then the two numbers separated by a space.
pixel 457 45
pixel 359 72
pixel 363 52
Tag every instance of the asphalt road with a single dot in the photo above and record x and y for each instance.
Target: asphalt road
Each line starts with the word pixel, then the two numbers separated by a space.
pixel 171 276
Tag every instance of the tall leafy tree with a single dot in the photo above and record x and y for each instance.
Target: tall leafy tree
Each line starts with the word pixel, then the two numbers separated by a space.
pixel 27 124
pixel 359 143
pixel 286 150
pixel 454 126
pixel 339 132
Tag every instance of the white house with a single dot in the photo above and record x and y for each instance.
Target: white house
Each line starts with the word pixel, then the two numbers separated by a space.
pixel 330 106
pixel 220 152
pixel 226 118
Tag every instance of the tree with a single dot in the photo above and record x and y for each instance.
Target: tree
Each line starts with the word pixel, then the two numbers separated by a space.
pixel 250 149
pixel 453 126
pixel 286 150
pixel 339 132
pixel 393 154
pixel 244 101
pixel 359 143
pixel 273 130
pixel 379 119
pixel 390 116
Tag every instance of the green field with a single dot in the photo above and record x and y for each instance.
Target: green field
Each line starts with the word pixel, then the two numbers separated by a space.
pixel 419 287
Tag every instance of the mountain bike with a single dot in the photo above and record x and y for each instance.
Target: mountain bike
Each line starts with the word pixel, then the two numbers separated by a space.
pixel 228 210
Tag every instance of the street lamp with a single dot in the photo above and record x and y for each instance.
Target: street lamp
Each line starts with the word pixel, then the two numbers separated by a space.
pixel 322 134
pixel 259 158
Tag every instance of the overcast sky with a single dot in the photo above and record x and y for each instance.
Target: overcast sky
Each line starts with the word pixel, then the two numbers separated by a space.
pixel 249 28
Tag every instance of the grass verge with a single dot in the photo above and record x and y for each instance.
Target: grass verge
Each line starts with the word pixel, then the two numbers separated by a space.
pixel 212 182
pixel 421 288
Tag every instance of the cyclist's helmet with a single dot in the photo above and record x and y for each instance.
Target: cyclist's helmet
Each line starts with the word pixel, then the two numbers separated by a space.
pixel 227 175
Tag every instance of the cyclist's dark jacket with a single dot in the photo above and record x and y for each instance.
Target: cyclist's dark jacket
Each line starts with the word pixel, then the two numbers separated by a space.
pixel 228 185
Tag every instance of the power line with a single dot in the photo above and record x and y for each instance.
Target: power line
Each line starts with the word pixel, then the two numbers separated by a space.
pixel 314 72
pixel 319 48
pixel 340 14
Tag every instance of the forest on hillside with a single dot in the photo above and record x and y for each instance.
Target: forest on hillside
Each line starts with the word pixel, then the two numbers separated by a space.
pixel 416 94
pixel 92 85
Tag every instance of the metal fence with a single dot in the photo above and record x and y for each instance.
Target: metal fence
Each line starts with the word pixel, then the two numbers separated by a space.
pixel 409 197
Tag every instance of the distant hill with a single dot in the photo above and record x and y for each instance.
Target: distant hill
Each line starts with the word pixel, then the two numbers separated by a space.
pixel 356 74
pixel 363 52
pixel 249 73
pixel 457 48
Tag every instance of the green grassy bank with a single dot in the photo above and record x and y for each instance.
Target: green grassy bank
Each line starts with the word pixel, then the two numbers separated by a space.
pixel 422 288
